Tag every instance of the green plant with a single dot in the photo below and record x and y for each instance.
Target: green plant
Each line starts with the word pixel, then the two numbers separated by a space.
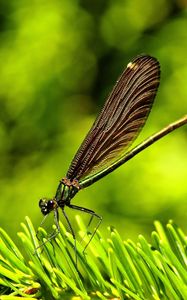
pixel 111 269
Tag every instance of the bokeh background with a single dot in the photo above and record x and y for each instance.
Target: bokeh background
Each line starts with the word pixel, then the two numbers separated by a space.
pixel 58 61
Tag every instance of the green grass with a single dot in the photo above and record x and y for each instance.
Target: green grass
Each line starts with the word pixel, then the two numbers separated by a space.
pixel 110 269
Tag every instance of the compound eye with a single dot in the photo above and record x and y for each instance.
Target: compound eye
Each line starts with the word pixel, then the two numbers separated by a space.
pixel 50 205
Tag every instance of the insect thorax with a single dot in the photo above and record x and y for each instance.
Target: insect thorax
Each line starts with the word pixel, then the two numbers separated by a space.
pixel 66 191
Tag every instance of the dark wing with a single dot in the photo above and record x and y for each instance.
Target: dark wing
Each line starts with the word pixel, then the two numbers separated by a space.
pixel 121 119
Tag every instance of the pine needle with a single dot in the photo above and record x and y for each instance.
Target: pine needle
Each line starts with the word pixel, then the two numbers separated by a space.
pixel 110 269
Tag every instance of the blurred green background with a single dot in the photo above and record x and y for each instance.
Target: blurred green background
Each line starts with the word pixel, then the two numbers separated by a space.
pixel 58 61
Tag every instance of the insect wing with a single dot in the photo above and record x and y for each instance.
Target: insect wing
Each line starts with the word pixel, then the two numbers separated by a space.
pixel 121 119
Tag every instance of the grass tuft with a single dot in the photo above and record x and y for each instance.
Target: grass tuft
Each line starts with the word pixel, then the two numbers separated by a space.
pixel 110 269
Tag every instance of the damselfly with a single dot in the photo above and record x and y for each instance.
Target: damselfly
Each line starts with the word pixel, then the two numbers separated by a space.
pixel 105 147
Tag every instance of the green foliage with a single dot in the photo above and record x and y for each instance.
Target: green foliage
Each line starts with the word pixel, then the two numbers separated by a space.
pixel 58 61
pixel 111 268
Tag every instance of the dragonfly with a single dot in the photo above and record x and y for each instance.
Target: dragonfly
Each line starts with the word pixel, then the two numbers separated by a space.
pixel 105 147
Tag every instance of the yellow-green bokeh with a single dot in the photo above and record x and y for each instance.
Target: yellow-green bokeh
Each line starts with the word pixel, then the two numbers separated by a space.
pixel 58 62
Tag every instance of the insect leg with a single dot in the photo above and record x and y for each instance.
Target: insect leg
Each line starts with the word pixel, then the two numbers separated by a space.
pixel 93 214
pixel 73 234
pixel 53 234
